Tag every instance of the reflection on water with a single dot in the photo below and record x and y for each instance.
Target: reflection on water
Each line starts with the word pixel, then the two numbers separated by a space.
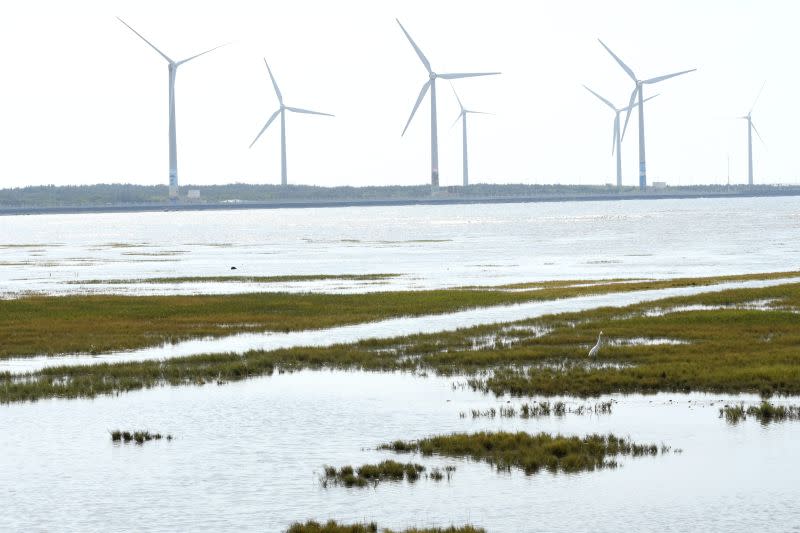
pixel 247 456
pixel 243 342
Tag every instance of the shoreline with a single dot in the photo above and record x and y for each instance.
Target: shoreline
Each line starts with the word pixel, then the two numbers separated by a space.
pixel 388 202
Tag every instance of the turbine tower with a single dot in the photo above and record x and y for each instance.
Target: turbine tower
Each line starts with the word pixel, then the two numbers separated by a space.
pixel 463 117
pixel 639 90
pixel 431 84
pixel 173 148
pixel 750 129
pixel 617 144
pixel 282 111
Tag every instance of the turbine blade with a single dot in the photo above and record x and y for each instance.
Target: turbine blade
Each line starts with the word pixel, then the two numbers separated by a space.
pixel 181 62
pixel 466 75
pixel 307 111
pixel 637 103
pixel 477 112
pixel 668 76
pixel 757 97
pixel 609 104
pixel 630 107
pixel 274 115
pixel 457 98
pixel 457 119
pixel 625 67
pixel 616 132
pixel 165 56
pixel 274 83
pixel 759 135
pixel 416 105
pixel 416 48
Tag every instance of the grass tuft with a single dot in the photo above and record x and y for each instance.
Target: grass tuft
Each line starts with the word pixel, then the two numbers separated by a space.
pixel 765 413
pixel 333 527
pixel 371 474
pixel 139 437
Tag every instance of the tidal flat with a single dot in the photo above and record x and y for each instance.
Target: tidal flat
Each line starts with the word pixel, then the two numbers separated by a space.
pixel 544 356
pixel 53 325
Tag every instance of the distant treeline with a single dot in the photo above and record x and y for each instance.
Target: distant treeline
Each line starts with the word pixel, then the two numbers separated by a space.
pixel 127 194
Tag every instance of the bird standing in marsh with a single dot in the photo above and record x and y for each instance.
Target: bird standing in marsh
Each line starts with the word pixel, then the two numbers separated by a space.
pixel 596 349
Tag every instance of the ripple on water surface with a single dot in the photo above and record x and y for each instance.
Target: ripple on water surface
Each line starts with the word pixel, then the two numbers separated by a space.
pixel 247 455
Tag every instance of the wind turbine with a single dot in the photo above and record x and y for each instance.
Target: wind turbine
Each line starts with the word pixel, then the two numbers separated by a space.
pixel 282 111
pixel 638 90
pixel 617 145
pixel 173 148
pixel 431 84
pixel 463 117
pixel 750 129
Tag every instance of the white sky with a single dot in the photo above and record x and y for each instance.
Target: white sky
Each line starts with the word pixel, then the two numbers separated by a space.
pixel 83 100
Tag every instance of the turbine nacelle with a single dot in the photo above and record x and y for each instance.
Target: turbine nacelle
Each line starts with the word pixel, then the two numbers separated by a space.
pixel 433 76
pixel 282 108
pixel 639 84
pixel 172 68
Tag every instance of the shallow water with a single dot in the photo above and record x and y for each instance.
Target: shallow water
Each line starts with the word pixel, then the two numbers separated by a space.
pixel 246 456
pixel 431 246
pixel 395 327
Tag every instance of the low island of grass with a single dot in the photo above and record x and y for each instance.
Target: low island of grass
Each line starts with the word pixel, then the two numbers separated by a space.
pixel 139 437
pixel 530 453
pixel 371 474
pixel 332 526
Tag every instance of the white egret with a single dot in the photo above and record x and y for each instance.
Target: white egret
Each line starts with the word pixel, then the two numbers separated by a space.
pixel 594 351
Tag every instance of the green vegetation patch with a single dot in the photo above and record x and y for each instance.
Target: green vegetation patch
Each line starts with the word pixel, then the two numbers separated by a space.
pixel 530 453
pixel 52 325
pixel 371 474
pixel 333 527
pixel 139 437
pixel 734 341
pixel 765 413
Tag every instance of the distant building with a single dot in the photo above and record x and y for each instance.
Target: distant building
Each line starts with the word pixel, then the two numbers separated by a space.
pixel 659 184
pixel 193 194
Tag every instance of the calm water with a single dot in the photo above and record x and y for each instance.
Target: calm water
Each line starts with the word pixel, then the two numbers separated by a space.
pixel 246 456
pixel 432 246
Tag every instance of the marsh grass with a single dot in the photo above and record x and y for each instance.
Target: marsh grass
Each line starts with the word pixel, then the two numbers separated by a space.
pixel 138 437
pixel 760 357
pixel 765 413
pixel 438 474
pixel 52 325
pixel 371 474
pixel 540 409
pixel 531 453
pixel 332 526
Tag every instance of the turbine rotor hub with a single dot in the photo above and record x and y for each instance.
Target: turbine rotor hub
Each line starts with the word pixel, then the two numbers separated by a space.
pixel 433 75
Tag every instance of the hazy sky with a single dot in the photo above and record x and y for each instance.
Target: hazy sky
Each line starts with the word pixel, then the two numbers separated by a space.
pixel 83 100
